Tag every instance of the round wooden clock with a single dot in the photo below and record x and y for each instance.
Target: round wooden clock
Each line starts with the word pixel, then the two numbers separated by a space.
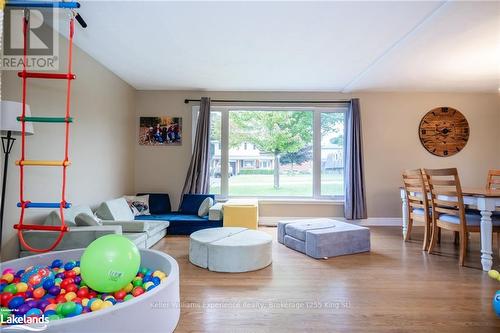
pixel 444 131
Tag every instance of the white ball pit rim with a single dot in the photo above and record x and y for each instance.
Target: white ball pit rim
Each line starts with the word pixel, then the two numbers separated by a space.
pixel 62 325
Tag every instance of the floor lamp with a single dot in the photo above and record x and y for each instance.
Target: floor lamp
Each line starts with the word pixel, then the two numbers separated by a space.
pixel 10 127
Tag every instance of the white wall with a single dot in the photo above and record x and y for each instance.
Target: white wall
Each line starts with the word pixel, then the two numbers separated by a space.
pixel 102 141
pixel 391 144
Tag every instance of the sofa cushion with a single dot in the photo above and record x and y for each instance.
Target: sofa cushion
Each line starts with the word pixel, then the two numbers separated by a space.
pixel 205 207
pixel 86 220
pixel 116 209
pixel 69 215
pixel 191 203
pixel 159 203
pixel 298 229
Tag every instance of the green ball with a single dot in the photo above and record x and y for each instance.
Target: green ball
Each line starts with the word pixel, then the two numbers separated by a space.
pixel 68 308
pixel 11 288
pixel 54 317
pixel 59 308
pixel 137 282
pixel 109 263
pixel 128 297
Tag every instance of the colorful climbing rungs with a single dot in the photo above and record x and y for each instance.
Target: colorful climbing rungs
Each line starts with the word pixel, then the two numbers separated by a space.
pixel 40 227
pixel 42 163
pixel 56 76
pixel 44 205
pixel 46 119
pixel 43 4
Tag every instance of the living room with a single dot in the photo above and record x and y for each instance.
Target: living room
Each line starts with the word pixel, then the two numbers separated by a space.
pixel 299 139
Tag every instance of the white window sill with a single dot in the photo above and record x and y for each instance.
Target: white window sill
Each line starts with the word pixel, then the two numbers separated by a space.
pixel 289 201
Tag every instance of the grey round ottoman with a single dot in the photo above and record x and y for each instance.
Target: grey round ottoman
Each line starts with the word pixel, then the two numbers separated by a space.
pixel 230 249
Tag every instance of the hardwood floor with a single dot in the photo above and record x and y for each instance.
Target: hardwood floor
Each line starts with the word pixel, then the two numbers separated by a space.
pixel 394 288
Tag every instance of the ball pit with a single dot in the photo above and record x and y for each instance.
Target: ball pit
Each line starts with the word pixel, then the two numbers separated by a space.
pixel 50 285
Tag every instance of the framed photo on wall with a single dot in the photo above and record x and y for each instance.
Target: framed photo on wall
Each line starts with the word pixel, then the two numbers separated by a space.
pixel 160 131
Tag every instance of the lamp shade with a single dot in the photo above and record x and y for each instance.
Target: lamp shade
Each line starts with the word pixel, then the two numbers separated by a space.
pixel 9 111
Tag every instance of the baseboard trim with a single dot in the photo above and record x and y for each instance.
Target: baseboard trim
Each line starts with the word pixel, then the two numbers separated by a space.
pixel 371 221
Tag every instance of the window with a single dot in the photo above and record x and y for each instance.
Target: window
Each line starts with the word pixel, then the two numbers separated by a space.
pixel 276 152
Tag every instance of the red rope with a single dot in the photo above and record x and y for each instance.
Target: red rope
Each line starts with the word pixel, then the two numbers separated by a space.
pixel 66 145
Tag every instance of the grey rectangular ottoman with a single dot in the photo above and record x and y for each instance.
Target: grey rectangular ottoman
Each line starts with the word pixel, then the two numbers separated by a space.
pixel 323 238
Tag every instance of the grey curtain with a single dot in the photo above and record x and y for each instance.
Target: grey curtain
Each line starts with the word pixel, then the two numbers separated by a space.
pixel 354 184
pixel 197 178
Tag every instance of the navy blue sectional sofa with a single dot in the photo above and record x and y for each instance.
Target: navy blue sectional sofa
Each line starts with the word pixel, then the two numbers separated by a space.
pixel 183 222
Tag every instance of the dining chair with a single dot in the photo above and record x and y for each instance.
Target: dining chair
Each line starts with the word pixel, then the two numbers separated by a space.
pixel 448 209
pixel 418 204
pixel 493 181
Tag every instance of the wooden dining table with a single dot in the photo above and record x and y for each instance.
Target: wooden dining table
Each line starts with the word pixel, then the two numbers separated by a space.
pixel 486 202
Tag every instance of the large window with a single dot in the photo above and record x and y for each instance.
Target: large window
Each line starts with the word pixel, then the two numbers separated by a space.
pixel 277 152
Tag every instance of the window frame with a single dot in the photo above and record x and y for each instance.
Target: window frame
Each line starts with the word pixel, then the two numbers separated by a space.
pixel 316 167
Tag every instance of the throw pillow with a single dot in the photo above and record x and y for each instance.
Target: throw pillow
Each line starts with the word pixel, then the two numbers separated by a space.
pixel 138 204
pixel 205 207
pixel 86 220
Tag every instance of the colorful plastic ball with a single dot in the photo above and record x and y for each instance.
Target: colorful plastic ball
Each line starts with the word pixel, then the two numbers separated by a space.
pixel 128 297
pixel 86 309
pixel 137 281
pixel 77 311
pixel 50 307
pixel 494 274
pixel 496 303
pixel 5 298
pixel 32 303
pixel 53 317
pixel 137 291
pixel 19 272
pixel 76 270
pixel 15 302
pixel 78 280
pixel 21 287
pixel 147 285
pixel 22 309
pixel 60 299
pixel 49 313
pixel 56 263
pixel 54 290
pixel 120 294
pixel 9 277
pixel 70 296
pixel 68 308
pixel 7 271
pixel 11 288
pixel 128 288
pixel 85 301
pixel 39 292
pixel 83 292
pixel 69 265
pixel 34 312
pixel 96 305
pixel 106 304
pixel 48 283
pixel 60 276
pixel 109 263
pixel 42 305
pixel 156 280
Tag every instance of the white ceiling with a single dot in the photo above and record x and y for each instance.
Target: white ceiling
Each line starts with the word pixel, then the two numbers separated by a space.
pixel 297 46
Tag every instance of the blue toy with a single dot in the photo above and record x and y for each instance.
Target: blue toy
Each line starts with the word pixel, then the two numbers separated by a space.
pixel 496 303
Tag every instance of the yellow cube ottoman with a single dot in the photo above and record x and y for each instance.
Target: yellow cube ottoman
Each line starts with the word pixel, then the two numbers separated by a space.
pixel 241 213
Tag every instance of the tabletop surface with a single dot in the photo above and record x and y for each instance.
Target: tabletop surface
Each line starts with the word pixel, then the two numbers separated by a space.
pixel 481 192
pixel 477 192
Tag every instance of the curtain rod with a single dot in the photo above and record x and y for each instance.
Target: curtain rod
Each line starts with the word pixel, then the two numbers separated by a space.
pixel 187 101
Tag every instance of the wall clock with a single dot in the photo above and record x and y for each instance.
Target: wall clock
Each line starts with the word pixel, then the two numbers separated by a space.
pixel 444 131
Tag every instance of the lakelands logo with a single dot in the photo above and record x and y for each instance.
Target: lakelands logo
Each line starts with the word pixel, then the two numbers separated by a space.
pixel 20 323
pixel 42 42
